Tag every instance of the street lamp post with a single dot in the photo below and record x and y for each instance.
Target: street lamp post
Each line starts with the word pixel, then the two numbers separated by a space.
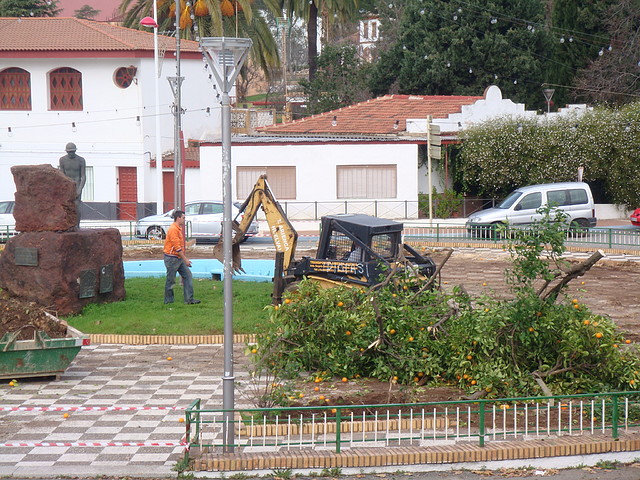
pixel 153 22
pixel 176 87
pixel 548 93
pixel 225 57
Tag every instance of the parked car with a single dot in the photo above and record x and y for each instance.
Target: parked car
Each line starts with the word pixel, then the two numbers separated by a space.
pixel 7 222
pixel 521 207
pixel 635 217
pixel 204 222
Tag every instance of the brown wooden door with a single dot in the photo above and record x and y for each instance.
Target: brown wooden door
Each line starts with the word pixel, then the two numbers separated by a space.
pixel 128 193
pixel 168 191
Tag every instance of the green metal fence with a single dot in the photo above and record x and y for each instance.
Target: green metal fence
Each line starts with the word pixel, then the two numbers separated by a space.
pixel 603 237
pixel 480 421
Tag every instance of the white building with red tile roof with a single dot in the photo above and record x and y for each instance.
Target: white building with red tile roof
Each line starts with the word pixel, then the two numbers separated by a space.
pixel 70 80
pixel 369 155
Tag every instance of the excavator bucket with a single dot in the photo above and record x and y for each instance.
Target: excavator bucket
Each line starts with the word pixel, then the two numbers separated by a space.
pixel 218 252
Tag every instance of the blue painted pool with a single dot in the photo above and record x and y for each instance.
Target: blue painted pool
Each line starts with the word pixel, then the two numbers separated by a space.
pixel 255 270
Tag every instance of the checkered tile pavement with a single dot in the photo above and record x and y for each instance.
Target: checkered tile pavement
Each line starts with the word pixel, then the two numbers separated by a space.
pixel 104 376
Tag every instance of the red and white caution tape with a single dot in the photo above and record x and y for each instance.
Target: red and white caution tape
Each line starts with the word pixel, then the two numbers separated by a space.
pixel 82 409
pixel 92 444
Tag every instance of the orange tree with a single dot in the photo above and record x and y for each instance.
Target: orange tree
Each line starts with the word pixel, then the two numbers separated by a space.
pixel 526 345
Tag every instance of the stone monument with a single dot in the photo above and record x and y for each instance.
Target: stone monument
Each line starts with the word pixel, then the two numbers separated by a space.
pixel 51 261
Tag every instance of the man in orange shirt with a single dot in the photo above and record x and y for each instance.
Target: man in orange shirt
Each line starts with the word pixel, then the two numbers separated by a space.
pixel 176 261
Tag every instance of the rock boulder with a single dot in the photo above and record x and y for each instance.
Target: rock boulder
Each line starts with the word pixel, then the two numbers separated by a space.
pixel 64 272
pixel 45 199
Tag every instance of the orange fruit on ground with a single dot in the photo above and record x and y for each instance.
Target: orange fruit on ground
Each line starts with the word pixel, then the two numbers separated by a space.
pixel 576 306
pixel 575 300
pixel 301 395
pixel 615 345
pixel 345 379
pixel 316 389
pixel 627 341
pixel 253 350
pixel 484 284
pixel 169 358
pixel 66 415
pixel 599 335
pixel 395 378
pixel 321 397
pixel 340 304
pixel 333 410
pixel 486 309
pixel 181 420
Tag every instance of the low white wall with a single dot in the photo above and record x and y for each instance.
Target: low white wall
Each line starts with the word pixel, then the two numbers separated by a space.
pixel 605 211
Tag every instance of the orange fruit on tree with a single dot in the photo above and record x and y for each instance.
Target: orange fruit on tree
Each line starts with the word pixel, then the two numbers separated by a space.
pixel 340 304
pixel 226 8
pixel 469 357
pixel 287 301
pixel 586 322
pixel 200 8
pixel 392 331
pixel 473 382
pixel 615 345
pixel 185 18
pixel 531 329
pixel 411 339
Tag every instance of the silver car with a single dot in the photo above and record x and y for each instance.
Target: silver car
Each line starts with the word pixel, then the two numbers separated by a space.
pixel 204 222
pixel 7 222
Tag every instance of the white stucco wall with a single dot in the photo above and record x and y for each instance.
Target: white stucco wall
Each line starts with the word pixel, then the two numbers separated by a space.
pixel 316 167
pixel 106 132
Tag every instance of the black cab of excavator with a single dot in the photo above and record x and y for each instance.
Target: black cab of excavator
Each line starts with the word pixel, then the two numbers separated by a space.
pixel 359 238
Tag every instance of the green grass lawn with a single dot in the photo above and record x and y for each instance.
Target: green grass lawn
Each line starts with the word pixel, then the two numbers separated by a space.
pixel 143 311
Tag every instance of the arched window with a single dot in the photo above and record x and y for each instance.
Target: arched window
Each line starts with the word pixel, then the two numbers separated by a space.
pixel 65 89
pixel 15 89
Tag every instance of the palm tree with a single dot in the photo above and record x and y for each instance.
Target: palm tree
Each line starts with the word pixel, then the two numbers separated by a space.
pixel 215 18
pixel 331 10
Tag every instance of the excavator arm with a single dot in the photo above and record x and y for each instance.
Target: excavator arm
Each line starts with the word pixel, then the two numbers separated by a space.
pixel 285 237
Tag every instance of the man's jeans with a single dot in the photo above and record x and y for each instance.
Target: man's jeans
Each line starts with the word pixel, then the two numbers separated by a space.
pixel 176 265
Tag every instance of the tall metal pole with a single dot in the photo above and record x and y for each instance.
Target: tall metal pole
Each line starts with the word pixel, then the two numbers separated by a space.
pixel 177 149
pixel 228 378
pixel 156 64
pixel 225 56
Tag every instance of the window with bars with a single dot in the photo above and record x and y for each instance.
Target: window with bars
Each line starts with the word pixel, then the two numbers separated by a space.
pixel 15 89
pixel 282 181
pixel 367 181
pixel 65 89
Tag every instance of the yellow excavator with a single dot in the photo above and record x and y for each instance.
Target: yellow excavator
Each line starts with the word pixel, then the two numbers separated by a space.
pixel 355 249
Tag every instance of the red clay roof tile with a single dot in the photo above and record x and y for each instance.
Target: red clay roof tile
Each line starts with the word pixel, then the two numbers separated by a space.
pixel 376 116
pixel 73 34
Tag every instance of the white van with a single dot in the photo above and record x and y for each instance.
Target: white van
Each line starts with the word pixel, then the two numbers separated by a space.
pixel 520 207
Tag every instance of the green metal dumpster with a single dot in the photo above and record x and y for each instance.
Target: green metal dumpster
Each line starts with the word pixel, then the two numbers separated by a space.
pixel 41 356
